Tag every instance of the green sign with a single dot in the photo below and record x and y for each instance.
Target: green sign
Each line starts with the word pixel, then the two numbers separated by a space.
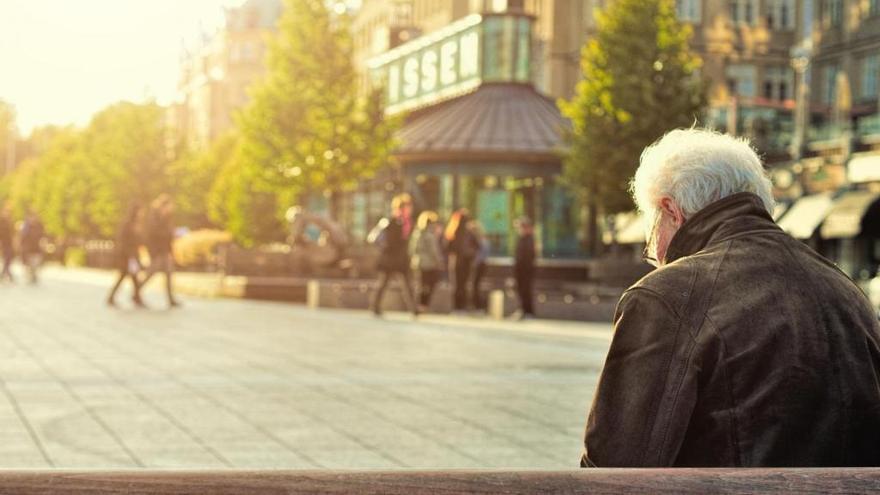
pixel 454 60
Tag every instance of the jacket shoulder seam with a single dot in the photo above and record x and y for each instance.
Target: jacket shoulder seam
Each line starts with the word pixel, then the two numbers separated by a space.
pixel 657 296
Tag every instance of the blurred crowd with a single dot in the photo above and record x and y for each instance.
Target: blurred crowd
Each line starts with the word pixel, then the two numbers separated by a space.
pixel 433 251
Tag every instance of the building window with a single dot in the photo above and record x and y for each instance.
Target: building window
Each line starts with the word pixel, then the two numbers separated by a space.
pixel 742 11
pixel 688 10
pixel 829 82
pixel 832 12
pixel 777 81
pixel 741 80
pixel 870 84
pixel 781 14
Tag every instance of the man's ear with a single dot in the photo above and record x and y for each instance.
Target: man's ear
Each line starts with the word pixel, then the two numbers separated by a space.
pixel 672 209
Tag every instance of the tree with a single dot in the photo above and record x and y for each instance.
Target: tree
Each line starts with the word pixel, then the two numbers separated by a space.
pixel 127 160
pixel 639 81
pixel 306 129
pixel 193 176
pixel 7 135
pixel 81 181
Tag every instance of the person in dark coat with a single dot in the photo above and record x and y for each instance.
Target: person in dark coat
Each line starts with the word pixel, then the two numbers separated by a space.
pixel 524 266
pixel 392 236
pixel 7 247
pixel 32 234
pixel 462 245
pixel 159 237
pixel 480 261
pixel 744 348
pixel 127 260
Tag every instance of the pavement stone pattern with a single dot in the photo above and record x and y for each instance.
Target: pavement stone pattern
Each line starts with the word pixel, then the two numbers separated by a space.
pixel 246 384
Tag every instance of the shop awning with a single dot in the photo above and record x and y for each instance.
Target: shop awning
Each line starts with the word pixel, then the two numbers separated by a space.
pixel 805 215
pixel 510 122
pixel 845 218
pixel 863 167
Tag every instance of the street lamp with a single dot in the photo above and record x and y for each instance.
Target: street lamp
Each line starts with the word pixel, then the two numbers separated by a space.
pixel 800 62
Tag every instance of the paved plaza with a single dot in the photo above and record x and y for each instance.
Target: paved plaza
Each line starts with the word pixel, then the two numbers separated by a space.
pixel 246 384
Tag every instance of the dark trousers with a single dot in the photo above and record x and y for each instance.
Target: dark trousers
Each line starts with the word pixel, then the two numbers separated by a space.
pixel 123 274
pixel 524 291
pixel 462 277
pixel 8 256
pixel 384 279
pixel 476 295
pixel 429 279
pixel 162 263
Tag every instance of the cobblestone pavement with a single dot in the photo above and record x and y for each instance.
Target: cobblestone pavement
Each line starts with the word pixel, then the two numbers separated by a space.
pixel 245 384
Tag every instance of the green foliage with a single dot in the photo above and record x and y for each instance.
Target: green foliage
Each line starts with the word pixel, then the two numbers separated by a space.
pixel 193 175
pixel 81 181
pixel 235 201
pixel 639 82
pixel 7 127
pixel 306 129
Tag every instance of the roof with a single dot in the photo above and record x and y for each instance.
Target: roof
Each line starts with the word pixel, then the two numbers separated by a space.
pixel 805 215
pixel 845 219
pixel 497 121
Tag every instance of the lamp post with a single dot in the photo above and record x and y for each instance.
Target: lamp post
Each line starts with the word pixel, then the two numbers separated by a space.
pixel 800 62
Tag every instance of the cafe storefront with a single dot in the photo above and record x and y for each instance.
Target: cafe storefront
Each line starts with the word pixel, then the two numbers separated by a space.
pixel 477 134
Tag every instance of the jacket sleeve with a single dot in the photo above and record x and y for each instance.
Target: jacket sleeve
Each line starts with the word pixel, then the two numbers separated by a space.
pixel 647 389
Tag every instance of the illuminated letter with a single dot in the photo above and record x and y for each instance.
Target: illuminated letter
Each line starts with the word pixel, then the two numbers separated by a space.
pixel 447 63
pixel 410 77
pixel 469 60
pixel 429 71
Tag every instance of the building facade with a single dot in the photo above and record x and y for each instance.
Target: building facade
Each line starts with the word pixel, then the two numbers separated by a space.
pixel 838 172
pixel 479 132
pixel 215 75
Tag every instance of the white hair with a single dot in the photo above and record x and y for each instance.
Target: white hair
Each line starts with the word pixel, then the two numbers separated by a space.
pixel 696 167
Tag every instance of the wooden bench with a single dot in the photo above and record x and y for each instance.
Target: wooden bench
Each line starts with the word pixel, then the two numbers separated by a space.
pixel 791 480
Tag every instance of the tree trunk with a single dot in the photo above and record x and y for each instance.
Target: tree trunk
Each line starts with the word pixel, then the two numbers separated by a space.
pixel 594 243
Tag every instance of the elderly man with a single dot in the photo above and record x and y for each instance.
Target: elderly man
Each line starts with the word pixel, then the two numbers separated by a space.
pixel 744 347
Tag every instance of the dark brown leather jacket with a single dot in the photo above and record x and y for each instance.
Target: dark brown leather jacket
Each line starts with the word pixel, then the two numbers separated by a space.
pixel 746 349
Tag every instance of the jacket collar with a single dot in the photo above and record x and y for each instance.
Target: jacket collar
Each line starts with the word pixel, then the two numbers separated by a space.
pixel 736 214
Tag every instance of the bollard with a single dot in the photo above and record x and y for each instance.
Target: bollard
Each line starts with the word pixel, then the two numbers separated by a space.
pixel 496 304
pixel 313 294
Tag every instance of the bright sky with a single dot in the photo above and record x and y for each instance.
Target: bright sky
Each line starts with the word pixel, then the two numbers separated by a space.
pixel 63 60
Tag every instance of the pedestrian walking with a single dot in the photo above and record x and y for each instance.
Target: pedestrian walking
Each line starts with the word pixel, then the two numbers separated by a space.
pixel 391 235
pixel 127 259
pixel 31 240
pixel 744 348
pixel 427 256
pixel 7 246
pixel 463 247
pixel 524 266
pixel 159 238
pixel 479 269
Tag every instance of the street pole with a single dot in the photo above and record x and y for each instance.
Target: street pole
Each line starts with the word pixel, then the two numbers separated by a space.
pixel 800 62
pixel 801 54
